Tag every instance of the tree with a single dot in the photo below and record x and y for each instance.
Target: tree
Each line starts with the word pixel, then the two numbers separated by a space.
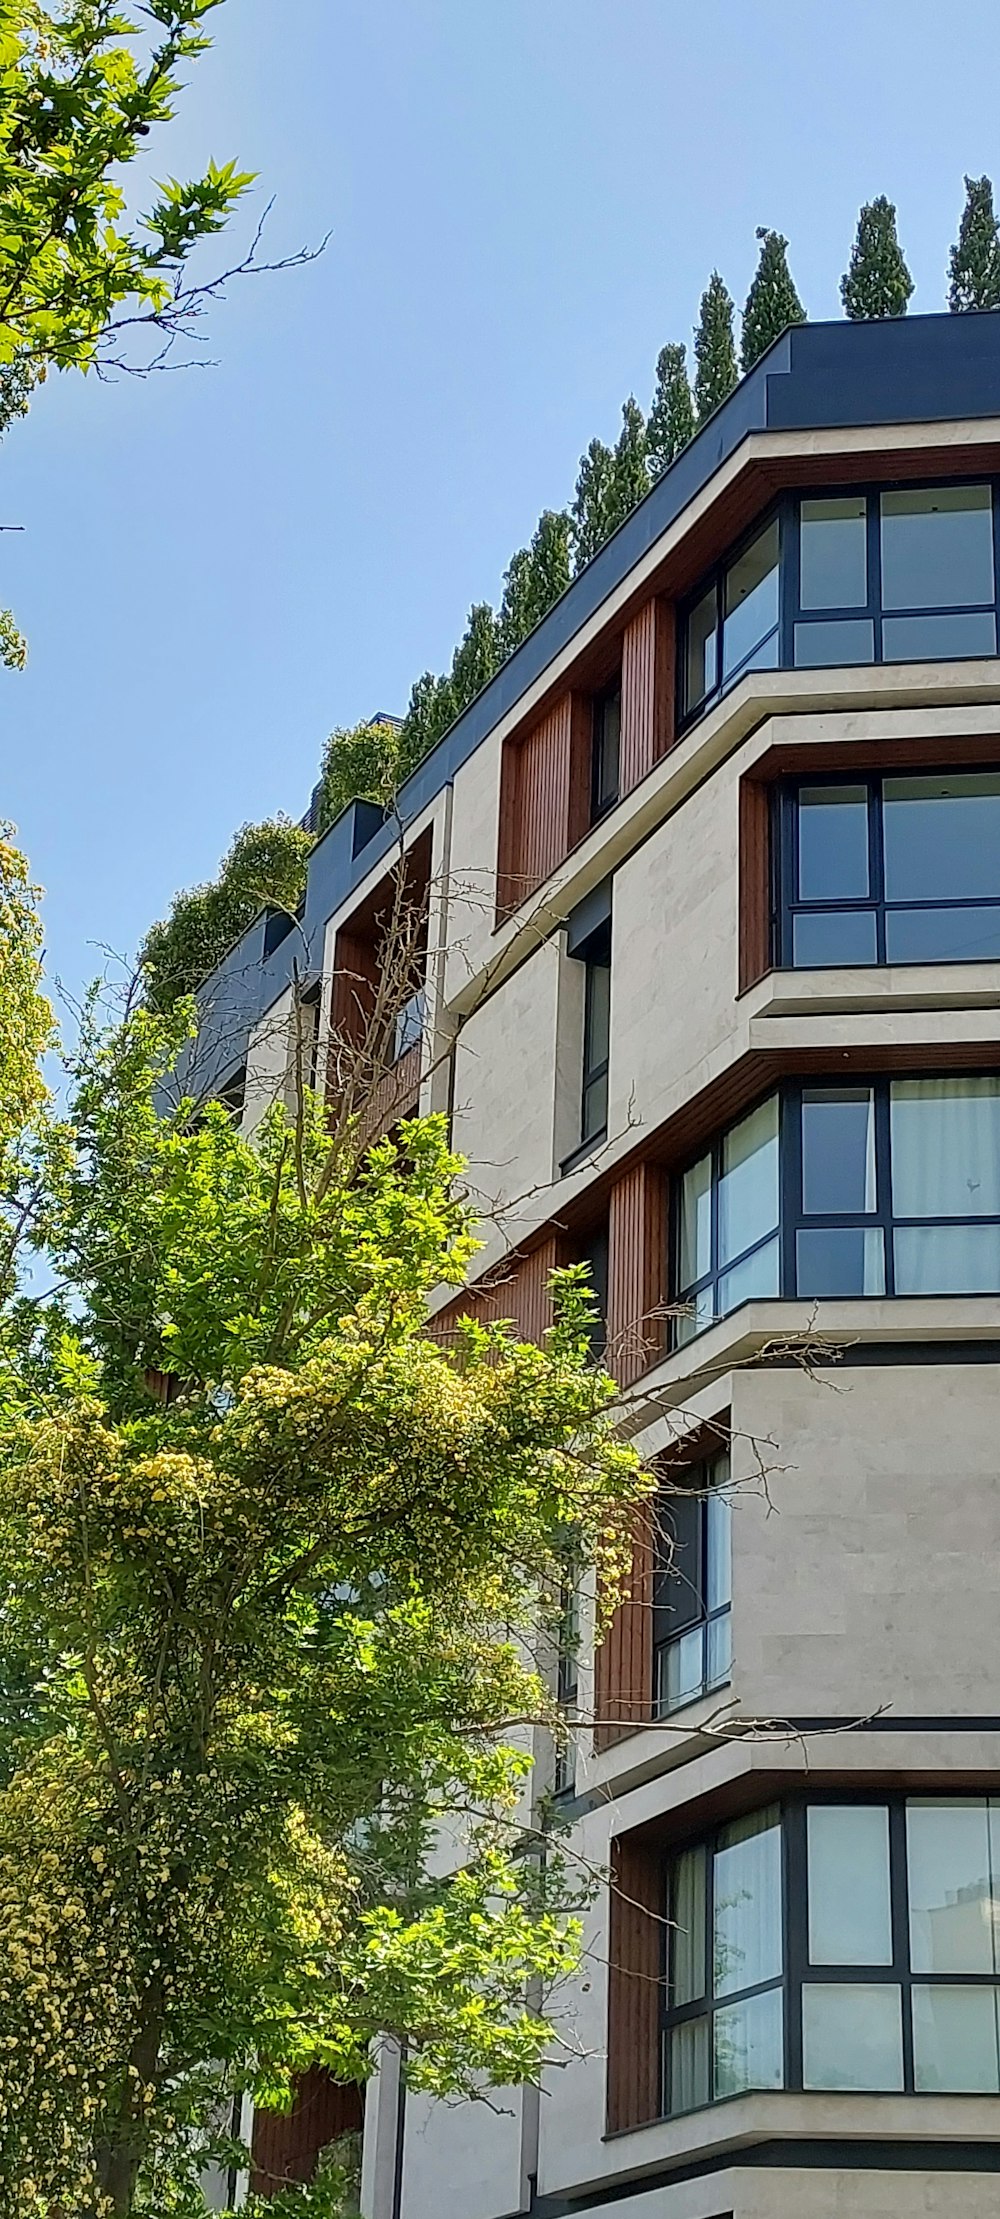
pixel 877 281
pixel 772 302
pixel 430 711
pixel 476 657
pixel 262 1634
pixel 631 466
pixel 671 418
pixel 264 868
pixel 974 262
pixel 715 354
pixel 595 505
pixel 361 762
pixel 535 578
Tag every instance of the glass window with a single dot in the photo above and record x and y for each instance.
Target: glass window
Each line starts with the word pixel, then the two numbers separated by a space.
pixel 746 1890
pixel 607 750
pixel 702 658
pixel 833 643
pixel 833 553
pixel 596 1041
pixel 749 2044
pixel 937 547
pixel 748 1186
pixel 832 843
pixel 969 935
pixel 750 600
pixel 838 1150
pixel 852 2036
pixel 410 1024
pixel 696 1222
pixel 945 1144
pixel 840 1260
pixel 938 639
pixel 955 2041
pixel 831 938
pixel 952 1878
pixel 728 1222
pixel 850 1914
pixel 942 837
pixel 692 1587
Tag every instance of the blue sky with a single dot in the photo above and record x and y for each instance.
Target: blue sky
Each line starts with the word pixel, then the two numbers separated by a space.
pixel 525 198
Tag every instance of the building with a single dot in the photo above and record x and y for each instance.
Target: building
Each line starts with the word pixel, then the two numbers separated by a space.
pixel 709 982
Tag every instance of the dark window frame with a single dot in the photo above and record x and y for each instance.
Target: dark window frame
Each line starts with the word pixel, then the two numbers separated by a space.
pixel 698 1481
pixel 603 796
pixel 788 904
pixel 596 956
pixel 799 1970
pixel 787 509
pixel 792 1216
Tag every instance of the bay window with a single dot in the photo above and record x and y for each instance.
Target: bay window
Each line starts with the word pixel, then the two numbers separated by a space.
pixel 895 869
pixel 890 1186
pixel 836 1945
pixel 692 1587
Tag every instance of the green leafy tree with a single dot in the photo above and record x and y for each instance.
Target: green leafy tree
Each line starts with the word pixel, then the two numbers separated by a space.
pixel 535 578
pixel 431 709
pixel 595 502
pixel 361 762
pixel 264 868
pixel 266 1633
pixel 477 656
pixel 772 302
pixel 877 281
pixel 671 418
pixel 974 263
pixel 714 351
pixel 631 465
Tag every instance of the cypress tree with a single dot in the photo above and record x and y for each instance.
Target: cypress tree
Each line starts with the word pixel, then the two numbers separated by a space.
pixel 715 355
pixel 594 509
pixel 877 281
pixel 631 468
pixel 671 418
pixel 534 578
pixel 772 302
pixel 974 263
pixel 476 656
pixel 430 710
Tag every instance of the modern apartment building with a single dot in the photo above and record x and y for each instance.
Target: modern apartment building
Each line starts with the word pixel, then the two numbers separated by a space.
pixel 709 983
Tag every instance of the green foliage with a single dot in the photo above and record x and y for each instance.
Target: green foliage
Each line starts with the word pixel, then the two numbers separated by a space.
pixel 430 711
pixel 535 578
pixel 477 656
pixel 671 418
pixel 25 1015
pixel 772 302
pixel 267 1638
pixel 265 867
pixel 631 465
pixel 974 262
pixel 595 502
pixel 714 351
pixel 877 281
pixel 363 762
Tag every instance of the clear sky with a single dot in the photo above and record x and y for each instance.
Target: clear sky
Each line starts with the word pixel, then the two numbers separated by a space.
pixel 525 198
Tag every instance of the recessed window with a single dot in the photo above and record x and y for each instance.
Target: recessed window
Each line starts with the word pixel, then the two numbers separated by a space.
pixel 891 870
pixel 836 1946
pixel 692 1587
pixel 606 762
pixel 728 1222
pixel 596 1038
pixel 733 626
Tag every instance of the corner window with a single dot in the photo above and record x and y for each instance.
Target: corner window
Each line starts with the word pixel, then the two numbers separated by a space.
pixel 832 1945
pixel 606 758
pixel 733 626
pixel 891 870
pixel 692 1587
pixel 728 1222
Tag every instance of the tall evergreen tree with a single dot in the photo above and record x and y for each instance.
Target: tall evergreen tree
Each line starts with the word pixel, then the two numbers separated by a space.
pixel 772 302
pixel 877 281
pixel 594 509
pixel 671 418
pixel 430 710
pixel 476 656
pixel 631 467
pixel 974 263
pixel 535 577
pixel 715 354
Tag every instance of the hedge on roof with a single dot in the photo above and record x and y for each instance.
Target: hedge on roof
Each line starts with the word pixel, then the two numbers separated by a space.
pixel 264 868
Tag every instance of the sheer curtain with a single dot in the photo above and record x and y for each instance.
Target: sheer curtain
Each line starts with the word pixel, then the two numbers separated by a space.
pixel 946 1163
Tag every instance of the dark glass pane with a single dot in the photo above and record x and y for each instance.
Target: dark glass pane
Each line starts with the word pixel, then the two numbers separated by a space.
pixel 598 1015
pixel 942 935
pixel 840 1259
pixel 832 559
pixel 937 639
pixel 942 837
pixel 607 748
pixel 678 1581
pixel 833 642
pixel 751 598
pixel 833 843
pixel 838 1150
pixel 595 1108
pixel 937 547
pixel 764 657
pixel 701 664
pixel 833 936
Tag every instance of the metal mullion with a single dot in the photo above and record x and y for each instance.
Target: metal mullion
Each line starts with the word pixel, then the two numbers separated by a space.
pixel 788 578
pixel 783 871
pixel 876 863
pixel 995 513
pixel 883 1177
pixel 900 1908
pixel 873 550
pixel 795 1877
pixel 709 1961
pixel 789 1184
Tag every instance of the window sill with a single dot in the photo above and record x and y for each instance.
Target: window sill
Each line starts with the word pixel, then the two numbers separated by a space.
pixel 582 1154
pixel 737 2122
pixel 876 987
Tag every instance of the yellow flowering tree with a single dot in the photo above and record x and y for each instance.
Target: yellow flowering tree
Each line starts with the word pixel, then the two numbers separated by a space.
pixel 269 1559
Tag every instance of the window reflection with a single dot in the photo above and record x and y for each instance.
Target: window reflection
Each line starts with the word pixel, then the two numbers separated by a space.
pixel 937 547
pixel 833 559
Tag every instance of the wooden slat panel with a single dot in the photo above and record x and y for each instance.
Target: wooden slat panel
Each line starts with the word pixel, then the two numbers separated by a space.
pixel 286 2144
pixel 544 800
pixel 634 1976
pixel 755 882
pixel 647 690
pixel 355 984
pixel 396 1094
pixel 637 1271
pixel 517 1289
pixel 623 1667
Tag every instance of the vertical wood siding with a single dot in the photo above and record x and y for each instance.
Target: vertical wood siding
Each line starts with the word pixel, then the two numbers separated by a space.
pixel 286 2144
pixel 634 1975
pixel 355 984
pixel 517 1289
pixel 755 882
pixel 623 1666
pixel 544 800
pixel 637 1271
pixel 647 691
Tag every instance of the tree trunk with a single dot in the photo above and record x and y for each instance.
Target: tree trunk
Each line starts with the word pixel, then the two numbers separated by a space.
pixel 119 2154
